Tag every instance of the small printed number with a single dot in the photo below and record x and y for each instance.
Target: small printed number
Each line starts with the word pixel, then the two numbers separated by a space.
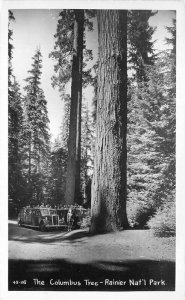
pixel 19 282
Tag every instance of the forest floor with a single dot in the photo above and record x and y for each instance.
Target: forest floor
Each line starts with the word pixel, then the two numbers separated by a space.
pixel 78 245
pixel 126 254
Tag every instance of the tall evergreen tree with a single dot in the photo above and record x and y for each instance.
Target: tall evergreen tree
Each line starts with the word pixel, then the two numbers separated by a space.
pixel 151 140
pixel 15 123
pixel 59 152
pixel 140 47
pixel 36 133
pixel 74 148
pixel 63 51
pixel 172 40
pixel 139 137
pixel 109 179
pixel 140 44
pixel 58 160
pixel 10 46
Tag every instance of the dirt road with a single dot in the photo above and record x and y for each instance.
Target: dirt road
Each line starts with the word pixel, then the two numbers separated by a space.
pixel 127 255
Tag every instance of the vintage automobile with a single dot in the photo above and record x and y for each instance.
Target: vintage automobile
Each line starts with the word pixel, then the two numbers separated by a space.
pixel 79 212
pixel 62 213
pixel 41 218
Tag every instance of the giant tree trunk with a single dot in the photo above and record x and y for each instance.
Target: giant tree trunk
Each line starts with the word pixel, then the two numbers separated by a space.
pixel 73 165
pixel 109 180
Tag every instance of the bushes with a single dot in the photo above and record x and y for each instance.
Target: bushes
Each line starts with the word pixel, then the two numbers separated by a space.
pixel 139 213
pixel 145 215
pixel 86 222
pixel 163 221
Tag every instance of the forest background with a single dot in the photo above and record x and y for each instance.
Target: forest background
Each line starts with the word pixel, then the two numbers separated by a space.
pixel 151 128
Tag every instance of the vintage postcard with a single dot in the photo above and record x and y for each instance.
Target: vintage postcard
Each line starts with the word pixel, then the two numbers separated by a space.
pixel 92 133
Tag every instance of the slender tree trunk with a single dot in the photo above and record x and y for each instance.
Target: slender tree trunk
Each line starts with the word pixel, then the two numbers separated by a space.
pixel 78 148
pixel 109 180
pixel 73 165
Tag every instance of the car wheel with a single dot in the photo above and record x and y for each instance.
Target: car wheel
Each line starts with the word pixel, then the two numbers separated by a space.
pixel 42 227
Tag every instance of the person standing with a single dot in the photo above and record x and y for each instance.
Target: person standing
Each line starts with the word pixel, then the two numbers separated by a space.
pixel 70 219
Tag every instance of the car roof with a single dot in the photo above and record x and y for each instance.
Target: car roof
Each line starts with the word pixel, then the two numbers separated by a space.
pixel 62 208
pixel 32 208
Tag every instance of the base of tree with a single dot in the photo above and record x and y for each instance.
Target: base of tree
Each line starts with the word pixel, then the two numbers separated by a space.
pixel 100 224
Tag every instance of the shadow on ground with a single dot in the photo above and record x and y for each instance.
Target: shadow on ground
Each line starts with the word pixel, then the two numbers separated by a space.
pixel 65 275
pixel 27 235
pixel 71 275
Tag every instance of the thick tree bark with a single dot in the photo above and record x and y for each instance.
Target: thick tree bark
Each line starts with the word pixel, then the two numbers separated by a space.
pixel 73 165
pixel 109 180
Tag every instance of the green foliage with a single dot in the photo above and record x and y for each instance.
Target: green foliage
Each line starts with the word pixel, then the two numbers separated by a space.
pixel 63 54
pixel 63 50
pixel 151 145
pixel 36 134
pixel 86 222
pixel 139 211
pixel 38 175
pixel 172 41
pixel 140 46
pixel 10 45
pixel 58 161
pixel 56 185
pixel 16 182
pixel 163 223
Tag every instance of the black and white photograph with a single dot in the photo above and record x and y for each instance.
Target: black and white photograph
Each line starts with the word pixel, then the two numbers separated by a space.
pixel 91 123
